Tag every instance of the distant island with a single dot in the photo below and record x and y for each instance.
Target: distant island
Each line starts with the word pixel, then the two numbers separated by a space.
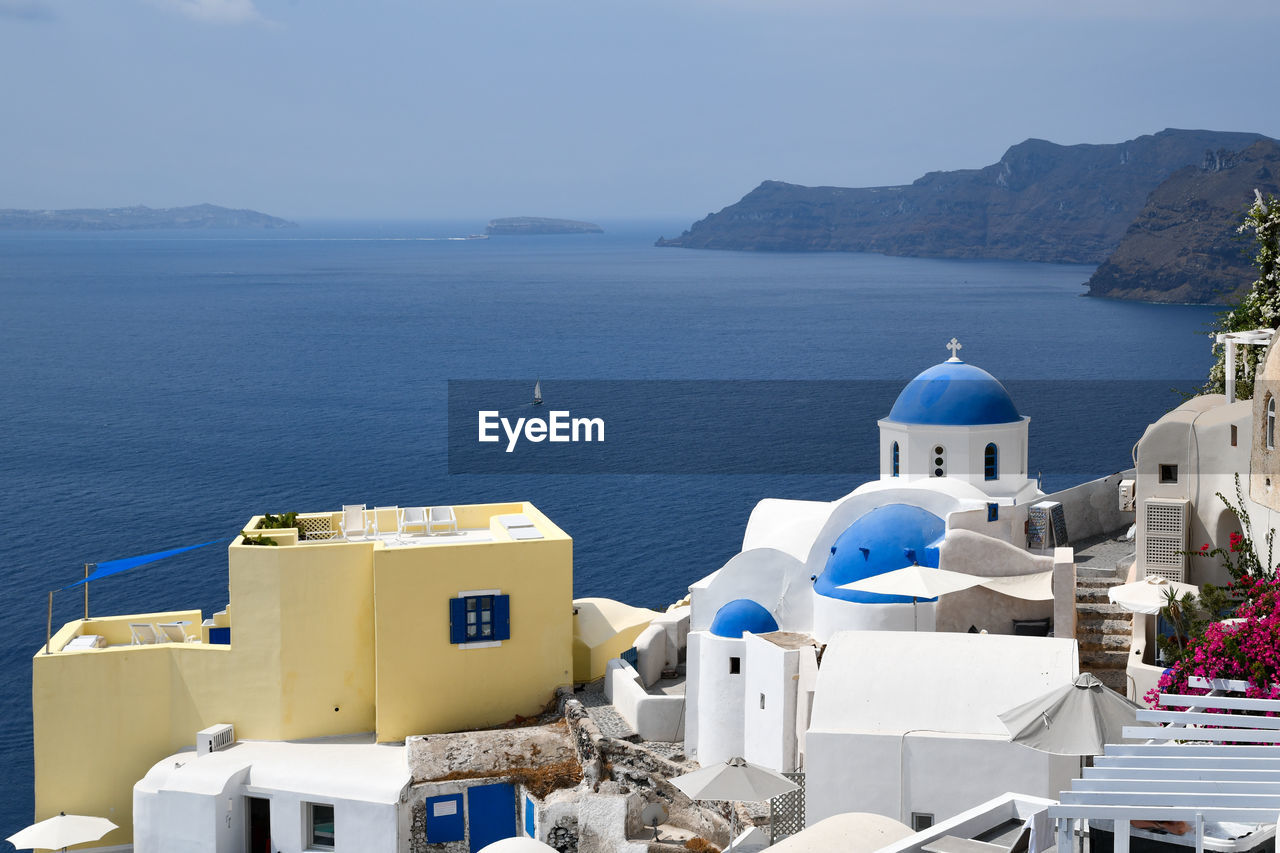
pixel 538 225
pixel 137 218
pixel 1041 202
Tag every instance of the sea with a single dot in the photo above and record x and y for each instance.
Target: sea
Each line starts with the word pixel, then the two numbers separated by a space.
pixel 161 388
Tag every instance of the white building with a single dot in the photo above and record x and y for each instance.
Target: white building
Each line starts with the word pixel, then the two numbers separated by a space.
pixel 953 493
pixel 905 725
pixel 284 796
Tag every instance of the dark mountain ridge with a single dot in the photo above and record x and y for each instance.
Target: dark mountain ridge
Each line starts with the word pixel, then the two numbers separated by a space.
pixel 1184 245
pixel 1040 202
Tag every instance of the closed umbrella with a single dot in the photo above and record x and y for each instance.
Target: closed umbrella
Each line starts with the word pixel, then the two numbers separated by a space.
pixel 734 780
pixel 1078 719
pixel 60 832
pixel 916 581
pixel 1148 595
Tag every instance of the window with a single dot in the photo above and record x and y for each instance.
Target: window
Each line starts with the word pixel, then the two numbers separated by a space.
pixel 735 666
pixel 939 457
pixel 319 827
pixel 1168 473
pixel 921 821
pixel 990 463
pixel 893 463
pixel 993 512
pixel 761 701
pixel 479 618
pixel 1235 436
pixel 1271 422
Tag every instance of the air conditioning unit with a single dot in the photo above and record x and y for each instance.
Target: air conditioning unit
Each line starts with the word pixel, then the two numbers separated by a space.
pixel 215 738
pixel 1127 501
pixel 1165 525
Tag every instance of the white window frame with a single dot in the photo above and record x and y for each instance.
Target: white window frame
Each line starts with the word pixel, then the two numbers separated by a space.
pixel 309 826
pixel 482 644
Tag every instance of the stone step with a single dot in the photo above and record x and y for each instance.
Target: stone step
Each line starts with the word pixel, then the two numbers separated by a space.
pixel 1097 640
pixel 1103 658
pixel 1106 611
pixel 1095 625
pixel 1116 679
pixel 1103 571
pixel 1094 583
pixel 1096 595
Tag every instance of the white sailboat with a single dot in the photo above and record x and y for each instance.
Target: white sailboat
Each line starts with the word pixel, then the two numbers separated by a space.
pixel 537 393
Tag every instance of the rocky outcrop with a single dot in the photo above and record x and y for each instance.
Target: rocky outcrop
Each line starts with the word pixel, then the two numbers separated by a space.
pixel 1183 246
pixel 138 219
pixel 1040 202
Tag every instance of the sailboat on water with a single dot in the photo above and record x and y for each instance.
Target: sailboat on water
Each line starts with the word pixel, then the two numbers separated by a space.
pixel 537 393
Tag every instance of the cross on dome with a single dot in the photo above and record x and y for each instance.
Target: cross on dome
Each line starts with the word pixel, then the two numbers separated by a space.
pixel 955 346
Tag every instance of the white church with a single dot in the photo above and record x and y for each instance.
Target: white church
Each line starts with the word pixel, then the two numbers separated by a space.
pixel 953 493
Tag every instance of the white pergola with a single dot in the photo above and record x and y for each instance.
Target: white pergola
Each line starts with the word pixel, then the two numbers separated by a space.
pixel 1251 338
pixel 1191 782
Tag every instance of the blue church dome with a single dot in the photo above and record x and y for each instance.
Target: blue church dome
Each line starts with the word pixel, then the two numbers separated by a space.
pixel 954 393
pixel 887 538
pixel 742 614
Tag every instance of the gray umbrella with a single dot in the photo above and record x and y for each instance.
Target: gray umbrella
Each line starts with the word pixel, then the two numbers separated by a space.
pixel 1078 719
pixel 733 780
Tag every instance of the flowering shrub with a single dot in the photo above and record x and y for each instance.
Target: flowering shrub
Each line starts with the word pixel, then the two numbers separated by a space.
pixel 1246 648
pixel 1260 309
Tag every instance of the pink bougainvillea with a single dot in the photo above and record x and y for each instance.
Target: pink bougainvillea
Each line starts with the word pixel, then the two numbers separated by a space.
pixel 1246 647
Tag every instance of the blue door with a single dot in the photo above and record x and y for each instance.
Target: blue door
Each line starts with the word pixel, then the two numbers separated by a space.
pixel 491 814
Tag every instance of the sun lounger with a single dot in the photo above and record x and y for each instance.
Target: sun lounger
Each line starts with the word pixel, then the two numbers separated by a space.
pixel 442 520
pixel 412 517
pixel 353 521
pixel 85 641
pixel 144 634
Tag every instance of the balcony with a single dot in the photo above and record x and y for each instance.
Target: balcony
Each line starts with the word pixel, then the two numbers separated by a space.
pixel 382 528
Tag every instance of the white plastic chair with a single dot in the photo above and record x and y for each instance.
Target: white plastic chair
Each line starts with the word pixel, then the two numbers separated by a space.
pixel 353 521
pixel 442 516
pixel 411 517
pixel 143 634
pixel 175 632
pixel 378 511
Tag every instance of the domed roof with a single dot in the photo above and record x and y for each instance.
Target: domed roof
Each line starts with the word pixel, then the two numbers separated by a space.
pixel 742 614
pixel 954 393
pixel 887 538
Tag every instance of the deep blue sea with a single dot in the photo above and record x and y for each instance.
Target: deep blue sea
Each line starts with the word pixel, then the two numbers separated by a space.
pixel 161 388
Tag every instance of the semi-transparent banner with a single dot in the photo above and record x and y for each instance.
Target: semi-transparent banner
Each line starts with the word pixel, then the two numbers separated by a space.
pixel 1079 427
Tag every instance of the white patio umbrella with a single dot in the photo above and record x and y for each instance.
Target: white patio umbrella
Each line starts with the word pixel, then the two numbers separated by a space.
pixel 1149 594
pixel 1078 719
pixel 916 581
pixel 60 832
pixel 734 780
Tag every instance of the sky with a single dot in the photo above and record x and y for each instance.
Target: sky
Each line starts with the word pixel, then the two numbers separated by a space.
pixel 586 109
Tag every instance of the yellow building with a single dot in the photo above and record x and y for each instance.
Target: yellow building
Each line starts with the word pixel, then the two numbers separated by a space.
pixel 392 634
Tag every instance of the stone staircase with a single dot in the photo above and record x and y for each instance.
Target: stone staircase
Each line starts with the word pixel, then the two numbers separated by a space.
pixel 1103 629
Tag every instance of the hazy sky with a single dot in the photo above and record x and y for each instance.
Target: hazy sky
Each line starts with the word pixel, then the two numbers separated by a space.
pixel 607 109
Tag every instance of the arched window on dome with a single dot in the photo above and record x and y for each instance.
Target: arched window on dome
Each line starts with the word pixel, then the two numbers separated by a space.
pixel 991 462
pixel 1271 422
pixel 938 468
pixel 893 461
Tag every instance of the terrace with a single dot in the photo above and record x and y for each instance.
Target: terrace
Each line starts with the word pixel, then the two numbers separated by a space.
pixel 395 527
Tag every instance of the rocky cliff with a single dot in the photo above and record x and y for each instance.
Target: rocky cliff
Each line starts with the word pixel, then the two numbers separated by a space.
pixel 1040 202
pixel 137 219
pixel 1183 245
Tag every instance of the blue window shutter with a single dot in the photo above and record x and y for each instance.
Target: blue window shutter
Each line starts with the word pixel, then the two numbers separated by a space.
pixel 502 617
pixel 457 620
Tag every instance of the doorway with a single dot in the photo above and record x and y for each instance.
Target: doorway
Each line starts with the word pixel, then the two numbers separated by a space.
pixel 259 825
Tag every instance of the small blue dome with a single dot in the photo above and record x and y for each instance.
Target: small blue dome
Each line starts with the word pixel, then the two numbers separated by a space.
pixel 742 614
pixel 954 394
pixel 886 539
